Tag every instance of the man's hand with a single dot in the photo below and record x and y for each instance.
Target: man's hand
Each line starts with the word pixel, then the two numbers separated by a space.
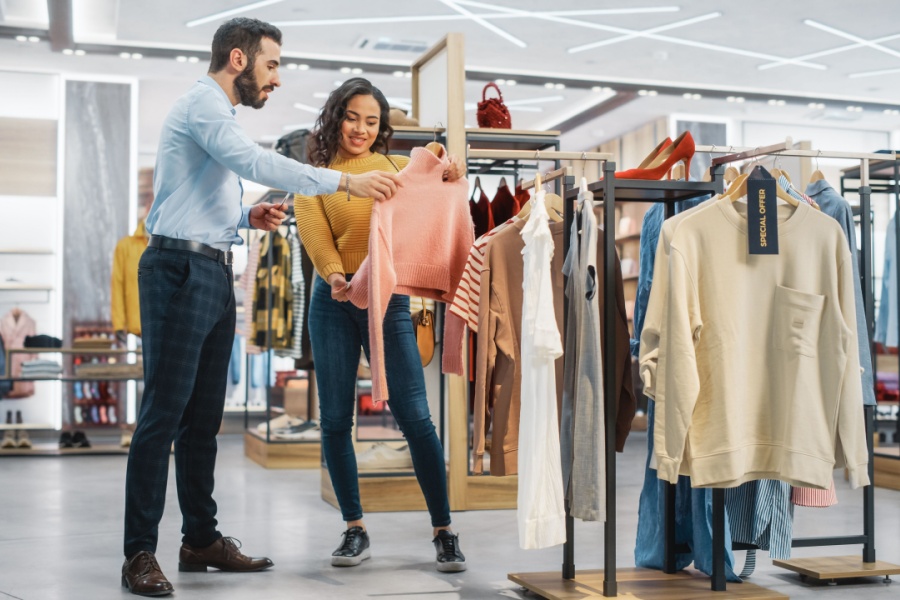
pixel 374 184
pixel 266 216
pixel 338 284
pixel 456 169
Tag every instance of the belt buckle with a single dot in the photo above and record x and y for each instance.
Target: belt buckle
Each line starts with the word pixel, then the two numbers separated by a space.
pixel 228 257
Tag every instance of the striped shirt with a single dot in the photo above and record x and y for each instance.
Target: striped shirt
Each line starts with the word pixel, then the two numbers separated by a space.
pixel 467 300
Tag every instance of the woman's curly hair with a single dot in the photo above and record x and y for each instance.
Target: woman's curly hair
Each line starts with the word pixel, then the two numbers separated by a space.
pixel 325 139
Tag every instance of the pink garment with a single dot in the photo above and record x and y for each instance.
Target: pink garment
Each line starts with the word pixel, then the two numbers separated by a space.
pixel 418 245
pixel 14 328
pixel 814 498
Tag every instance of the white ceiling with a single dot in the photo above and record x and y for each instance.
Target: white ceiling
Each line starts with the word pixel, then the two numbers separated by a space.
pixel 723 47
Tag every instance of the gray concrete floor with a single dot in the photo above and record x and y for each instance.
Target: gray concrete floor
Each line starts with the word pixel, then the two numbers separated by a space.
pixel 61 528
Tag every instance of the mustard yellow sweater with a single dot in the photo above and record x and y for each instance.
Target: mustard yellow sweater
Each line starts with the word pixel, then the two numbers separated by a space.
pixel 335 232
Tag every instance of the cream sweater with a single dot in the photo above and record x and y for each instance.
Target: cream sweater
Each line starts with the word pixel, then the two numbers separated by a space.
pixel 759 354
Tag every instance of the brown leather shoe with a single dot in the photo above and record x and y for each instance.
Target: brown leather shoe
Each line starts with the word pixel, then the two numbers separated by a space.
pixel 142 576
pixel 223 554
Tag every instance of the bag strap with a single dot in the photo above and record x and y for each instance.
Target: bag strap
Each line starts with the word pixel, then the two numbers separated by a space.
pixel 490 85
pixel 392 163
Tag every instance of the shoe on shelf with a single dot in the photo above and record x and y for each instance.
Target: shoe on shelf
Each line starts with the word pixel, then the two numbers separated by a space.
pixel 79 440
pixel 24 440
pixel 680 150
pixel 65 440
pixel 126 439
pixel 382 456
pixel 450 558
pixel 306 431
pixel 279 422
pixel 142 576
pixel 353 550
pixel 223 554
pixel 10 439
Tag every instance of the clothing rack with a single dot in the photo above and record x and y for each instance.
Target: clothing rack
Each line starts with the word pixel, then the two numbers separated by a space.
pixel 868 536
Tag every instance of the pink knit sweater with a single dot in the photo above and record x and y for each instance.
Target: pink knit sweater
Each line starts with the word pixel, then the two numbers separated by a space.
pixel 418 245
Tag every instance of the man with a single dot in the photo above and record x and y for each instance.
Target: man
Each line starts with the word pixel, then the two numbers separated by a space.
pixel 187 295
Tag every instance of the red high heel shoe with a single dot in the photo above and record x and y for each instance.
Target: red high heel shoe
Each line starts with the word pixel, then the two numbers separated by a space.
pixel 682 149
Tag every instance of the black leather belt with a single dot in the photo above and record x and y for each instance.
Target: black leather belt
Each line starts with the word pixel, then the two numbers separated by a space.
pixel 164 243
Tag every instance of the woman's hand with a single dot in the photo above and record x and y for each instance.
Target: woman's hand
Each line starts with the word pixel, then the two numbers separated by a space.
pixel 338 284
pixel 456 169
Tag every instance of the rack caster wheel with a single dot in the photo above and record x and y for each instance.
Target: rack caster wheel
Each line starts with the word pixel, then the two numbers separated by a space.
pixel 887 580
pixel 804 578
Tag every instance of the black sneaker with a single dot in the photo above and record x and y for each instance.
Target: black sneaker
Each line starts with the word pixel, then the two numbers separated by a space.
pixel 353 550
pixel 450 558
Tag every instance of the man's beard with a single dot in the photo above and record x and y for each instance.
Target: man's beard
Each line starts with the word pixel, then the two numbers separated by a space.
pixel 248 89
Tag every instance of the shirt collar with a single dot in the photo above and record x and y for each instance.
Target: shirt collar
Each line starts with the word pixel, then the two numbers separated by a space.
pixel 817 187
pixel 207 80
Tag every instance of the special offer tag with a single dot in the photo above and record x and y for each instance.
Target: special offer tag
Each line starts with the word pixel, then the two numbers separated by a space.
pixel 762 216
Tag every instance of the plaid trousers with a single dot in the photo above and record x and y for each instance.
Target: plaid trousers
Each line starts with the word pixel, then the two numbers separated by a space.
pixel 187 321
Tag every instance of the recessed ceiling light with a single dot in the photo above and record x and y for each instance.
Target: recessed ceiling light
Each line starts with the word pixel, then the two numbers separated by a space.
pixel 181 58
pixel 80 52
pixel 652 93
pixel 891 111
pixel 33 38
pixel 303 67
pixel 500 81
pixel 548 85
pixel 398 73
pixel 137 55
pixel 510 82
pixel 739 99
pixel 193 59
pixel 345 70
pixel 855 108
pixel 596 88
pixel 819 105
pixel 124 54
pixel 292 66
pixel 356 71
pixel 642 92
pixel 774 102
pixel 687 95
pixel 560 86
pixel 21 38
pixel 68 51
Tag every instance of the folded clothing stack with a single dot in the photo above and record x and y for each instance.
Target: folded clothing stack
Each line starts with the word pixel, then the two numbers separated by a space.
pixel 41 368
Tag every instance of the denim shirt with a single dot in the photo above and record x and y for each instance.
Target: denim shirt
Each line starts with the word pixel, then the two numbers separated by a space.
pixel 202 155
pixel 886 323
pixel 834 205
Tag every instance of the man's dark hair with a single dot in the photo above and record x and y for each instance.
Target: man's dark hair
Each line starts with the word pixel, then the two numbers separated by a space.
pixel 243 33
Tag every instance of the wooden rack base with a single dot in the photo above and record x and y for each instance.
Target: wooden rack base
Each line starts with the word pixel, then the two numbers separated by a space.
pixel 837 567
pixel 643 584
pixel 393 493
pixel 301 455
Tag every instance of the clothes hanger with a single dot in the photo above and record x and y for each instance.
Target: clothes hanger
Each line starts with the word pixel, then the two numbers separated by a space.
pixel 817 175
pixel 477 188
pixel 502 183
pixel 435 148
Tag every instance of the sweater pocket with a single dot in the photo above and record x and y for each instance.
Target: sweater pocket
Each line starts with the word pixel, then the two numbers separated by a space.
pixel 796 321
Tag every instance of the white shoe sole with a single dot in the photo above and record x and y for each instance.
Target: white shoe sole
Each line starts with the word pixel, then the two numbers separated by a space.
pixel 350 561
pixel 451 567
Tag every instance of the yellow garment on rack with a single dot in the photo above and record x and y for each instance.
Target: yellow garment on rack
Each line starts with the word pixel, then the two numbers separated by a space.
pixel 282 295
pixel 126 307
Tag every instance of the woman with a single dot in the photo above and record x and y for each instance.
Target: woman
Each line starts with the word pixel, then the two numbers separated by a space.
pixel 352 135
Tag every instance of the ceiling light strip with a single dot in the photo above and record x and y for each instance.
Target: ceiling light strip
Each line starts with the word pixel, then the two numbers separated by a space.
pixel 624 38
pixel 487 25
pixel 874 73
pixel 837 50
pixel 461 17
pixel 851 37
pixel 652 36
pixel 234 11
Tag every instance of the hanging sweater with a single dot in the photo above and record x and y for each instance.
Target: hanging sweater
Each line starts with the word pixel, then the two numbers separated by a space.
pixel 419 244
pixel 335 232
pixel 126 307
pixel 760 355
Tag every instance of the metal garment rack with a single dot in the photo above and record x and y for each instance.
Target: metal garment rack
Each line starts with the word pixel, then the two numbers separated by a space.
pixel 884 178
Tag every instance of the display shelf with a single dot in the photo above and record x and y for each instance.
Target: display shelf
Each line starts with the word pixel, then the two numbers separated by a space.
pixel 27 426
pixel 253 410
pixel 511 139
pixel 55 450
pixel 887 468
pixel 638 190
pixel 878 169
pixel 406 137
pixel 394 493
pixel 288 454
pixel 837 567
pixel 34 251
pixel 643 584
pixel 25 287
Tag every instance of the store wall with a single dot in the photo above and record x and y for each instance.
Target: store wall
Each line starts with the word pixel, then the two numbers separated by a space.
pixel 97 174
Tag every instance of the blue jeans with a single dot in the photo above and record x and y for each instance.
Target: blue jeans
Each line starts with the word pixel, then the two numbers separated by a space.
pixel 337 330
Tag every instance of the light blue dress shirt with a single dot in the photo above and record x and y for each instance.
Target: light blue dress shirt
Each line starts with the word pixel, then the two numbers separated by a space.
pixel 203 154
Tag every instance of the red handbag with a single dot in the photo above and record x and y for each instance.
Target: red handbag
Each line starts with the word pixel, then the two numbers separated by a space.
pixel 492 112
